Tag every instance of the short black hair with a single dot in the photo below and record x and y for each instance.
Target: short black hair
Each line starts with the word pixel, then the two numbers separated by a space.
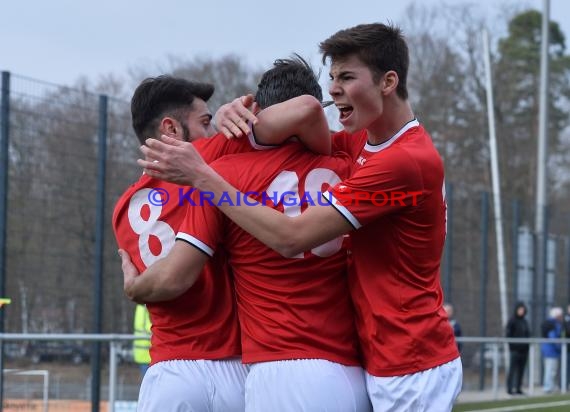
pixel 380 47
pixel 287 79
pixel 161 96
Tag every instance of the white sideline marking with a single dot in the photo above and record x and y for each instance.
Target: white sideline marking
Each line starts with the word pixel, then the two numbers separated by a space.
pixel 523 407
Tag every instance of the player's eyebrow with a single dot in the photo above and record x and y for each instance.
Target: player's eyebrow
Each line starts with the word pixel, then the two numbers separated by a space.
pixel 341 73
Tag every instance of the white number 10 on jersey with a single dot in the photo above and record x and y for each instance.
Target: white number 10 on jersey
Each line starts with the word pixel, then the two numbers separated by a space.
pixel 286 184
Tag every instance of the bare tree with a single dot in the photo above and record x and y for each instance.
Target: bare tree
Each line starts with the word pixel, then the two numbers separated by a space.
pixel 231 76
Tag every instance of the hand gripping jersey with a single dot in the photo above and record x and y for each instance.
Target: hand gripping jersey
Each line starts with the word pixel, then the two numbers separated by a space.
pixel 201 323
pixel 289 308
pixel 396 200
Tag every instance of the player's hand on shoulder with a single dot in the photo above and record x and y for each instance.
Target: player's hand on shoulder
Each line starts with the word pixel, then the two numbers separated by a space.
pixel 171 160
pixel 232 118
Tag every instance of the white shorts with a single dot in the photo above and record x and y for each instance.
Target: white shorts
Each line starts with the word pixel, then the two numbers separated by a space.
pixel 431 390
pixel 194 386
pixel 310 385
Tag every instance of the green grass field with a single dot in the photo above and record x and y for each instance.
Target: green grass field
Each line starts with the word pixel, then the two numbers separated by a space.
pixel 554 403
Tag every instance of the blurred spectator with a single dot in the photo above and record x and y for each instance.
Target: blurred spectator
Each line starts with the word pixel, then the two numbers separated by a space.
pixel 454 324
pixel 517 327
pixel 141 346
pixel 567 335
pixel 551 329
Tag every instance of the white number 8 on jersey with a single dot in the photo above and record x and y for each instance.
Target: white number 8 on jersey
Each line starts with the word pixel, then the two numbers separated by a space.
pixel 152 226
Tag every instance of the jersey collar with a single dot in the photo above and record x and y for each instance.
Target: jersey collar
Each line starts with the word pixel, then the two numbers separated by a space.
pixel 378 147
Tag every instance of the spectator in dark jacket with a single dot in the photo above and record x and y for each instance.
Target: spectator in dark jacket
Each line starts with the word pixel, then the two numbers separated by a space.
pixel 517 327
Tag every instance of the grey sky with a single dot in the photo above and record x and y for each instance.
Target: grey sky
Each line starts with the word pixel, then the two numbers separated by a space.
pixel 60 40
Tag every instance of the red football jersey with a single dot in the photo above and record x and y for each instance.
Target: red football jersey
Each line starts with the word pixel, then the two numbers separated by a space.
pixel 351 144
pixel 289 308
pixel 145 221
pixel 396 200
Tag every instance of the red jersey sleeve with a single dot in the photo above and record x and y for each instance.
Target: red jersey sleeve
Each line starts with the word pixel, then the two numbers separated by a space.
pixel 351 144
pixel 218 145
pixel 203 225
pixel 387 182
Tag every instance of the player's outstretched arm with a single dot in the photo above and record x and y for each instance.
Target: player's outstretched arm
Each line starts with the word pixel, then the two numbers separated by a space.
pixel 181 163
pixel 166 279
pixel 301 116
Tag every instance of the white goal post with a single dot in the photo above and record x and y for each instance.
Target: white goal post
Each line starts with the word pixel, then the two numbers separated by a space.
pixel 43 373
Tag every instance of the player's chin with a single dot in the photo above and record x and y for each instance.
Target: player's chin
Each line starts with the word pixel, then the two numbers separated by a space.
pixel 350 123
pixel 351 127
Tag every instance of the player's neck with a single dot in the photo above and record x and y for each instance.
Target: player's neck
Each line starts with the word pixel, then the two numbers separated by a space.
pixel 392 119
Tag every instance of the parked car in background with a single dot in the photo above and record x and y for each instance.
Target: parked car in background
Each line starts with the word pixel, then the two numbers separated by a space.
pixel 15 350
pixel 76 353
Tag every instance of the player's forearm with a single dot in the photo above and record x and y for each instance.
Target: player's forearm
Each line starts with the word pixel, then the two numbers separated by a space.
pixel 302 117
pixel 274 229
pixel 286 235
pixel 153 285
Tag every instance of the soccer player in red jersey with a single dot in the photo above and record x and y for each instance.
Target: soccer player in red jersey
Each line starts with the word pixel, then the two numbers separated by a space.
pixel 186 342
pixel 410 356
pixel 296 316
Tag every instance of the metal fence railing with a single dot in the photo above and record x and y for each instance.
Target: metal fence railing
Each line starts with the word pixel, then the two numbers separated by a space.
pixel 481 357
pixel 481 354
pixel 113 340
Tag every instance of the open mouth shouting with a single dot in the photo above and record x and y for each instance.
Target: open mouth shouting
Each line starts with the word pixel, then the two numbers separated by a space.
pixel 345 112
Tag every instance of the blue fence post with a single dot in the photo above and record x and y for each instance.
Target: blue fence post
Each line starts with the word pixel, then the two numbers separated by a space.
pixel 99 249
pixel 539 278
pixel 515 252
pixel 483 291
pixel 4 167
pixel 545 299
pixel 568 268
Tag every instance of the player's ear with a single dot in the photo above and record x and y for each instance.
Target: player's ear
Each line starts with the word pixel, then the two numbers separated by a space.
pixel 389 82
pixel 255 108
pixel 169 127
